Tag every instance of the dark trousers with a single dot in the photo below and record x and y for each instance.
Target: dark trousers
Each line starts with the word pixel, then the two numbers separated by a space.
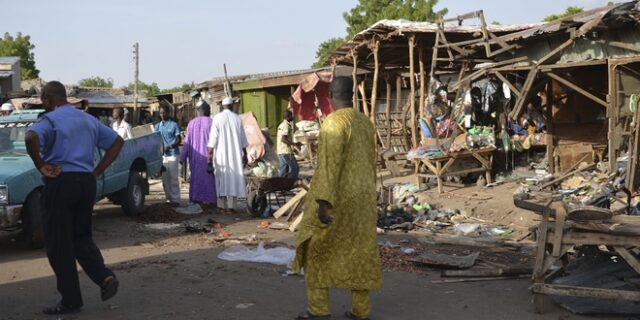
pixel 68 202
pixel 288 166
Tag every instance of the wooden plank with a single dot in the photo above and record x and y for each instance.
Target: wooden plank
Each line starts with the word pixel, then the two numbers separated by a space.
pixel 297 210
pixel 294 225
pixel 538 271
pixel 549 122
pixel 633 157
pixel 508 83
pixel 486 272
pixel 361 89
pixel 631 260
pixel 577 88
pixel 555 51
pixel 561 216
pixel 439 259
pixel 388 114
pixel 515 113
pixel 572 291
pixel 290 204
pixel 594 238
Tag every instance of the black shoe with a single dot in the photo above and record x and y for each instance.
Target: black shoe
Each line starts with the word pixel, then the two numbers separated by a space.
pixel 109 288
pixel 59 308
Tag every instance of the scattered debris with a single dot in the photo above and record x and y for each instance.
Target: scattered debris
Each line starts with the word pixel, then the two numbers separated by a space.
pixel 162 226
pixel 445 260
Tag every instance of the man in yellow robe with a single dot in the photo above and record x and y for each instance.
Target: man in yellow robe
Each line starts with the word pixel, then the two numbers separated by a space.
pixel 337 245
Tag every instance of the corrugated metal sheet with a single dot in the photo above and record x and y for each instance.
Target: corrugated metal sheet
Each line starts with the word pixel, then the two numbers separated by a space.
pixel 6 74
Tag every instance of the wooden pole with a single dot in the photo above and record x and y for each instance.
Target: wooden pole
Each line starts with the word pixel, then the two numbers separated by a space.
pixel 354 74
pixel 398 109
pixel 363 95
pixel 549 135
pixel 422 80
pixel 374 89
pixel 388 112
pixel 412 94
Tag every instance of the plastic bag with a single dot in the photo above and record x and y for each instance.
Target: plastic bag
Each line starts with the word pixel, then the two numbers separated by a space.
pixel 465 228
pixel 279 256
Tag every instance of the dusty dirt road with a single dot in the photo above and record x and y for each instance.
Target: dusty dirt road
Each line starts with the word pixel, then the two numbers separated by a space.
pixel 170 274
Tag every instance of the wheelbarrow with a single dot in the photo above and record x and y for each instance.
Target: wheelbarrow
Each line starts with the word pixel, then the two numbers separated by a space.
pixel 259 190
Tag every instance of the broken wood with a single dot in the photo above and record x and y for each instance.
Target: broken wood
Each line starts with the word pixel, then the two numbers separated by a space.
pixel 572 291
pixel 487 272
pixel 445 260
pixel 476 242
pixel 567 175
pixel 479 279
pixel 290 204
pixel 294 225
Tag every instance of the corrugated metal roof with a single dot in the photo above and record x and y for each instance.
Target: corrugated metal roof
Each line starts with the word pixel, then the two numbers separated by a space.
pixel 254 77
pixel 9 60
pixel 6 74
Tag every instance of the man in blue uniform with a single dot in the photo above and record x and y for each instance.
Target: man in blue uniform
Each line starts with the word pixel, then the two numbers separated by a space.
pixel 62 146
pixel 170 132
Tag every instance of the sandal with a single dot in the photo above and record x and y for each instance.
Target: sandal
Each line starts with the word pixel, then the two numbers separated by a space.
pixel 352 316
pixel 109 288
pixel 308 316
pixel 59 308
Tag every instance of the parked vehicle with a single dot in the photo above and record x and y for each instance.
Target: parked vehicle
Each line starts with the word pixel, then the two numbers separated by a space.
pixel 124 182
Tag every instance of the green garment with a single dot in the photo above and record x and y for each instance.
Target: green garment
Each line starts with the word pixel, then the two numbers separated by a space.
pixel 343 254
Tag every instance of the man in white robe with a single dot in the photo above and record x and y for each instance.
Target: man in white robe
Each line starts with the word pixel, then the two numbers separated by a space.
pixel 227 141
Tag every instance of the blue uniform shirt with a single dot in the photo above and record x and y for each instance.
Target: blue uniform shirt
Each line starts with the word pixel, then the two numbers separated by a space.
pixel 69 138
pixel 169 131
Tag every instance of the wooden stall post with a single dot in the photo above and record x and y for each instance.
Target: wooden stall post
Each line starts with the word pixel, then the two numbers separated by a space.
pixel 388 112
pixel 374 89
pixel 422 80
pixel 398 107
pixel 549 136
pixel 354 74
pixel 412 94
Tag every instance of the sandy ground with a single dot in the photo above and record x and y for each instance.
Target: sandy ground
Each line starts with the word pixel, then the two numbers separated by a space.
pixel 170 274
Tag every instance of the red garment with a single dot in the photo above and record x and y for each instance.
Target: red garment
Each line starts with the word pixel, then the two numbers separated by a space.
pixel 304 98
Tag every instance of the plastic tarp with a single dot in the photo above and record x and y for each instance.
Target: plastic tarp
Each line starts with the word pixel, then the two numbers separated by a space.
pixel 255 149
pixel 279 256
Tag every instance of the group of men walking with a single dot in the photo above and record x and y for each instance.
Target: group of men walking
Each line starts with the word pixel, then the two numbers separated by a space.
pixel 336 241
pixel 214 150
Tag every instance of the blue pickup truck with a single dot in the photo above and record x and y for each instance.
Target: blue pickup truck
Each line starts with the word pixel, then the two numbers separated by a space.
pixel 124 182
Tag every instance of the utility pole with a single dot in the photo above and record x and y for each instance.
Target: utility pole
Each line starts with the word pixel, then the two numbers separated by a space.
pixel 136 52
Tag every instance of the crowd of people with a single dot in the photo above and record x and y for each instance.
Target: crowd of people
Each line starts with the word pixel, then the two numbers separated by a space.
pixel 336 241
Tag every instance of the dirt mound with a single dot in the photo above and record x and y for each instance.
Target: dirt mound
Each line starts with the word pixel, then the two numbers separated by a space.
pixel 161 213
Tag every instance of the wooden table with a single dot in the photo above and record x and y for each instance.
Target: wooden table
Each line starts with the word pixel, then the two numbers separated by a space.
pixel 557 236
pixel 441 166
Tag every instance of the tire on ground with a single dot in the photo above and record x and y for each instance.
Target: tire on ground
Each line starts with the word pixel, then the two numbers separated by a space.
pixel 133 195
pixel 32 219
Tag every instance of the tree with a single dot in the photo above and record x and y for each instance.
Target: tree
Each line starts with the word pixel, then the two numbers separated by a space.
pixel 368 12
pixel 20 46
pixel 96 82
pixel 182 88
pixel 325 49
pixel 568 12
pixel 151 89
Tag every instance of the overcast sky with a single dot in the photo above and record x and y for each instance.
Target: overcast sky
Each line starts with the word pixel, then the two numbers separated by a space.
pixel 189 40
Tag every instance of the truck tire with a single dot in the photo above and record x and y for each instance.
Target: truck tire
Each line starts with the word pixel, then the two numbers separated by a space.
pixel 32 219
pixel 133 195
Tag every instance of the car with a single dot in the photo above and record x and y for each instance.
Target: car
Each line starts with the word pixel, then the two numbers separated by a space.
pixel 124 182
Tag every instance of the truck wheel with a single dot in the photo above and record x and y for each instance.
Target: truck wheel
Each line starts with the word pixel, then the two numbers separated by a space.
pixel 32 217
pixel 256 203
pixel 133 195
